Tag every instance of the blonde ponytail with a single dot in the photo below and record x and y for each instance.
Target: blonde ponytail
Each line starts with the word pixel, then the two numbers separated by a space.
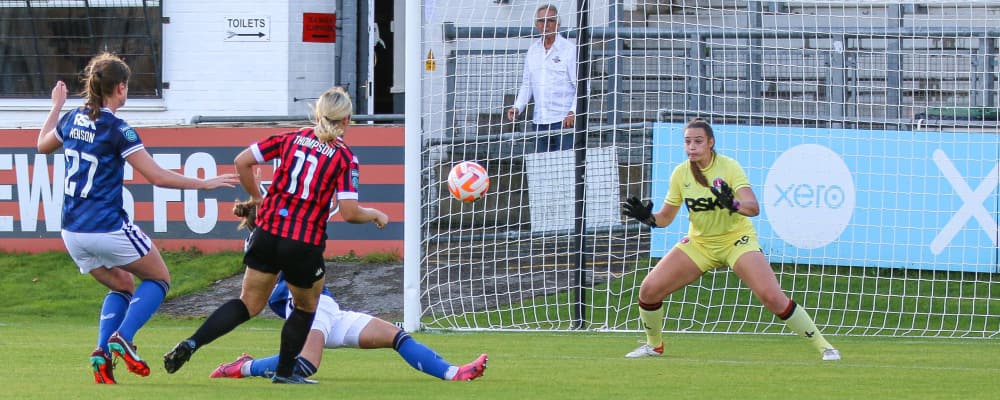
pixel 332 107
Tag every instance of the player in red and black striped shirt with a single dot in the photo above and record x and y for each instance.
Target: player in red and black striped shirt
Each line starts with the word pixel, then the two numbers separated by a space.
pixel 314 165
pixel 297 204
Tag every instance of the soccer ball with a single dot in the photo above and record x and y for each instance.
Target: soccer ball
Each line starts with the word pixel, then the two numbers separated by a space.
pixel 468 181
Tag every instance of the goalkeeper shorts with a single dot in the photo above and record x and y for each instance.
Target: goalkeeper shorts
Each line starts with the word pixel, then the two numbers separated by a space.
pixel 719 252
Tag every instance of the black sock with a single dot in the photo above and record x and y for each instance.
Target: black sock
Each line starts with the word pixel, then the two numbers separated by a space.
pixel 293 337
pixel 224 319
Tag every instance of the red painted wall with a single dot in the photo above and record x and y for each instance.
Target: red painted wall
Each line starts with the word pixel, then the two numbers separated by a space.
pixel 30 203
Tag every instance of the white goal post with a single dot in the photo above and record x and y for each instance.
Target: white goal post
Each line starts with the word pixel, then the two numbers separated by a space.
pixel 869 131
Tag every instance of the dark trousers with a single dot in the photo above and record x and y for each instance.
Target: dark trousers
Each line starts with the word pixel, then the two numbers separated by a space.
pixel 552 142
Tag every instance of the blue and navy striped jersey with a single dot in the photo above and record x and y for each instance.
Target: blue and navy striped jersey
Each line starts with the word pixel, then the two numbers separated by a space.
pixel 95 155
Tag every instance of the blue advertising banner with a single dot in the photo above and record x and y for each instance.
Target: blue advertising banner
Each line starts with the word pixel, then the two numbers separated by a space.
pixel 867 198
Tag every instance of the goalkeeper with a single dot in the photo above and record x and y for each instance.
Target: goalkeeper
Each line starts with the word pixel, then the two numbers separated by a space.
pixel 719 235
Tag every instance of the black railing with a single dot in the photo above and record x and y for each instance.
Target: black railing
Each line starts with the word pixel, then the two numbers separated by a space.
pixel 854 85
pixel 41 45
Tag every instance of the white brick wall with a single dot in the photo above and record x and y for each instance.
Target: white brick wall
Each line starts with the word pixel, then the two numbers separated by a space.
pixel 212 77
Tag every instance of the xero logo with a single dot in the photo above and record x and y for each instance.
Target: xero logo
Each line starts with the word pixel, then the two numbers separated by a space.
pixel 809 196
pixel 972 203
pixel 805 195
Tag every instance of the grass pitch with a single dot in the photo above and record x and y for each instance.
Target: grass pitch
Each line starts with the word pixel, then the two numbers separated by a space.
pixel 47 359
pixel 48 327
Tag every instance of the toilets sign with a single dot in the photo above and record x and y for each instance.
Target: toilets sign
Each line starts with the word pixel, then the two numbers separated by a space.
pixel 247 29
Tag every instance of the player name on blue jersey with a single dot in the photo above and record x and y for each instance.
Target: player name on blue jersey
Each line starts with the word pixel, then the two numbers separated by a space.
pixel 83 128
pixel 82 134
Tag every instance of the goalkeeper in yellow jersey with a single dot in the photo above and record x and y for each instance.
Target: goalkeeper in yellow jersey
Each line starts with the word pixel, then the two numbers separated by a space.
pixel 719 235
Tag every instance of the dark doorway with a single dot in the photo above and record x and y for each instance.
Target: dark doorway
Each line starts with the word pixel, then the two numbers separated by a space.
pixel 383 57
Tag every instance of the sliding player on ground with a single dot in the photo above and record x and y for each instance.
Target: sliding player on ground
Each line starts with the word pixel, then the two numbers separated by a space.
pixel 335 328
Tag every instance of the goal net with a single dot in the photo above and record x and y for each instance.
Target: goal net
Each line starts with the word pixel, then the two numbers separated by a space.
pixel 868 130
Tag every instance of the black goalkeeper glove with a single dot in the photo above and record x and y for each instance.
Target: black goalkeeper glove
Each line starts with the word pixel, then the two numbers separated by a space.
pixel 725 195
pixel 640 210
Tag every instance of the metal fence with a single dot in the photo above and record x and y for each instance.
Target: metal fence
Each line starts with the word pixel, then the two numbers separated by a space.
pixel 45 41
pixel 831 76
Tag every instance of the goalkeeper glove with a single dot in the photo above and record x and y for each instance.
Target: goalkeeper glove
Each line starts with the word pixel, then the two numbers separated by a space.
pixel 640 210
pixel 725 195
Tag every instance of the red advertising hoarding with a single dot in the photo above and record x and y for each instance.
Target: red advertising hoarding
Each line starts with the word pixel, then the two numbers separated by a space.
pixel 31 190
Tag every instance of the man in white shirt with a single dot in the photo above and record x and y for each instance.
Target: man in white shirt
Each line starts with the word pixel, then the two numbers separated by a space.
pixel 549 77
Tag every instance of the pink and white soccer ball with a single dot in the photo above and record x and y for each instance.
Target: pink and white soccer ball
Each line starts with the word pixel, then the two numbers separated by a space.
pixel 468 181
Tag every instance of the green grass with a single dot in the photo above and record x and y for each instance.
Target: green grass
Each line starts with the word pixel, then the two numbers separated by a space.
pixel 843 300
pixel 48 328
pixel 50 284
pixel 47 359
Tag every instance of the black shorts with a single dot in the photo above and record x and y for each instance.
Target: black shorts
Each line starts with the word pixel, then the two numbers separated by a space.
pixel 301 262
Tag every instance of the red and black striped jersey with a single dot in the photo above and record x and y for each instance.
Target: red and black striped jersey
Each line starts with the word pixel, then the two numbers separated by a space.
pixel 308 174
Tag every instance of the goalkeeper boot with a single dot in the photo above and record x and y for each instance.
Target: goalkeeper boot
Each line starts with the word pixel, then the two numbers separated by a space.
pixel 646 351
pixel 103 368
pixel 472 370
pixel 123 349
pixel 831 355
pixel 231 370
pixel 176 358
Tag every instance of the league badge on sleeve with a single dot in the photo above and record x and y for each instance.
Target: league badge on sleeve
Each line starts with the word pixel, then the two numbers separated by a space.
pixel 129 133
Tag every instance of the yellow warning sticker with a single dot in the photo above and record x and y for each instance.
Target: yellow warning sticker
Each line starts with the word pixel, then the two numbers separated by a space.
pixel 430 64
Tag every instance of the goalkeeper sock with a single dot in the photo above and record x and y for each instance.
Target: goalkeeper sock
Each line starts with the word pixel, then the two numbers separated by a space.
pixel 799 320
pixel 652 322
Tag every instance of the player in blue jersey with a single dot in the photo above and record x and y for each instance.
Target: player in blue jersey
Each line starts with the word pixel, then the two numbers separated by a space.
pixel 315 164
pixel 96 229
pixel 336 328
pixel 720 234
